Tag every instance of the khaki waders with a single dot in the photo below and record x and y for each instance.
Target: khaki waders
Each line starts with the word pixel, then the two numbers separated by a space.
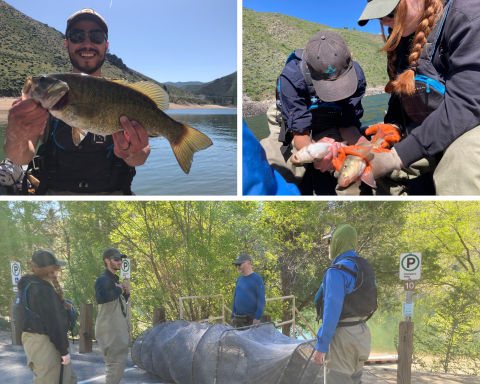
pixel 295 174
pixel 348 351
pixel 44 360
pixel 111 332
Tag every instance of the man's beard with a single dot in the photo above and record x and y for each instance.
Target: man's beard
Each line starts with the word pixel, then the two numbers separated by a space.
pixel 86 69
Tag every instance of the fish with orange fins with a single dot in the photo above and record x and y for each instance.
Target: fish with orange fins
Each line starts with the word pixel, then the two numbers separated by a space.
pixel 353 165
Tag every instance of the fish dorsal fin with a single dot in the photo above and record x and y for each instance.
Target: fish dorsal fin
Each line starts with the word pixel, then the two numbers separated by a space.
pixel 153 91
pixel 119 81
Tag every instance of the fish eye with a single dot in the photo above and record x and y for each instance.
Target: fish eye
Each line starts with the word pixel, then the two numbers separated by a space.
pixel 42 79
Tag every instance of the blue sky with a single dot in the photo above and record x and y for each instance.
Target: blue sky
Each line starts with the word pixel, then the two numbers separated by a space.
pixel 335 13
pixel 181 40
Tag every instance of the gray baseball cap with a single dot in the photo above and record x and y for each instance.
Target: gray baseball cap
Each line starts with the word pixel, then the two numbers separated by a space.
pixel 331 66
pixel 376 9
pixel 110 252
pixel 241 259
pixel 43 258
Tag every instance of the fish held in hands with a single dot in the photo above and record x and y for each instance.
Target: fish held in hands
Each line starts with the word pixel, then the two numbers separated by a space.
pixel 95 104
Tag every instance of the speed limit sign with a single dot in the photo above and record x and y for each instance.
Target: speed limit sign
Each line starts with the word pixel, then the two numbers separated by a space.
pixel 125 269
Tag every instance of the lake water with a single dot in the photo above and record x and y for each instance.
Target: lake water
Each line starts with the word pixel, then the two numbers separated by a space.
pixel 374 110
pixel 214 170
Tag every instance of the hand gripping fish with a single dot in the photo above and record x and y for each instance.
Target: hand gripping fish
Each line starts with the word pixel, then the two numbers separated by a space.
pixel 313 152
pixel 95 104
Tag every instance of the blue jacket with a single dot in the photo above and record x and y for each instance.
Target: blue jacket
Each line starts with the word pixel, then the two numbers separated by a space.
pixel 336 284
pixel 259 178
pixel 296 99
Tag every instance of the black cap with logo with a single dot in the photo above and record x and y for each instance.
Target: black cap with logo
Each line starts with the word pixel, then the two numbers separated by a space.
pixel 44 258
pixel 241 259
pixel 331 66
pixel 111 252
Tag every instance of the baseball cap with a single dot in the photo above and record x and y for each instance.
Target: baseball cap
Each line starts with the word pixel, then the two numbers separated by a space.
pixel 242 258
pixel 110 252
pixel 331 66
pixel 45 258
pixel 376 9
pixel 87 14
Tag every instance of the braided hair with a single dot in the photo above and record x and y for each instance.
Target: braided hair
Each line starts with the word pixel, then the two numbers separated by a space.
pixel 48 273
pixel 404 82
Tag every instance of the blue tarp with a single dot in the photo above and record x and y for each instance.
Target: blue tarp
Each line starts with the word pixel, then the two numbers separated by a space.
pixel 259 178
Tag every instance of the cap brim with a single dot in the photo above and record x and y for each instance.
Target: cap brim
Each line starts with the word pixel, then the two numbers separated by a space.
pixel 327 237
pixel 61 263
pixel 376 9
pixel 339 89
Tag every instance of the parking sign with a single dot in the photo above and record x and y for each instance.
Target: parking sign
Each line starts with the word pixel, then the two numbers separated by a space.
pixel 16 272
pixel 125 271
pixel 410 265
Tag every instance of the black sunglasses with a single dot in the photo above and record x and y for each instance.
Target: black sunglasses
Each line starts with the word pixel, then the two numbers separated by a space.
pixel 115 258
pixel 77 36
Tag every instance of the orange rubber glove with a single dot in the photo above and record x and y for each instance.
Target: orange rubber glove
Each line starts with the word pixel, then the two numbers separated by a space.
pixel 392 134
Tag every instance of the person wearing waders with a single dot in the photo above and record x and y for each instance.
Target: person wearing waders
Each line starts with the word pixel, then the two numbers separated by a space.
pixel 111 327
pixel 41 312
pixel 249 298
pixel 346 300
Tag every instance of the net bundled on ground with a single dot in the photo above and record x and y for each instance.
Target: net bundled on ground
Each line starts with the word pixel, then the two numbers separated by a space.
pixel 193 353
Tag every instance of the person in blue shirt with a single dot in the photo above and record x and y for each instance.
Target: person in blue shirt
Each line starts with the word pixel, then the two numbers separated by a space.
pixel 249 299
pixel 346 300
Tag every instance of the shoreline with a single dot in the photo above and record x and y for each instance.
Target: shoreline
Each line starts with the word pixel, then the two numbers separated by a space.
pixel 254 108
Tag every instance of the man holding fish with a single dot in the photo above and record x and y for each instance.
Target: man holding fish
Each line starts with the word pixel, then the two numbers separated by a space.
pixel 96 130
pixel 320 92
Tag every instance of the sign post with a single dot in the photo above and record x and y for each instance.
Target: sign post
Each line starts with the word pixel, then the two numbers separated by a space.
pixel 410 270
pixel 125 274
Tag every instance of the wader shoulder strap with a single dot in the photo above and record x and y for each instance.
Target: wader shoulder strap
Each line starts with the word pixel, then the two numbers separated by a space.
pixel 432 40
pixel 306 75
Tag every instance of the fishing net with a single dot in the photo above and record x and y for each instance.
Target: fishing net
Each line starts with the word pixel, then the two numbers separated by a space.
pixel 192 353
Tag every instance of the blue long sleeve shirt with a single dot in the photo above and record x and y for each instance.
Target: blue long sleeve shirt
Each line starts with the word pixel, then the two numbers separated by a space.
pixel 249 296
pixel 336 284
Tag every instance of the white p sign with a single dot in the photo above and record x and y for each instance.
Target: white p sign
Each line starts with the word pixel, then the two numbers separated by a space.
pixel 125 270
pixel 16 272
pixel 410 265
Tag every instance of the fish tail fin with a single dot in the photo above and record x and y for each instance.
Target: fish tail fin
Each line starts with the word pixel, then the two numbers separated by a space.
pixel 189 142
pixel 380 133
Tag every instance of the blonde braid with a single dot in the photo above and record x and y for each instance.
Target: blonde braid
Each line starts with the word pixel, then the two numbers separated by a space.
pixel 405 82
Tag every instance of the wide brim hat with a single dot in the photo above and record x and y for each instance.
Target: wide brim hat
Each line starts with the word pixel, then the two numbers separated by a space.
pixel 376 9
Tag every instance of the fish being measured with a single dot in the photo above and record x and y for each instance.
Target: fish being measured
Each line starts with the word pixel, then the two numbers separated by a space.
pixel 95 104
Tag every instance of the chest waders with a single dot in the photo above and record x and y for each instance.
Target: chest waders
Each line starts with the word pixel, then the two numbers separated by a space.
pixel 89 168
